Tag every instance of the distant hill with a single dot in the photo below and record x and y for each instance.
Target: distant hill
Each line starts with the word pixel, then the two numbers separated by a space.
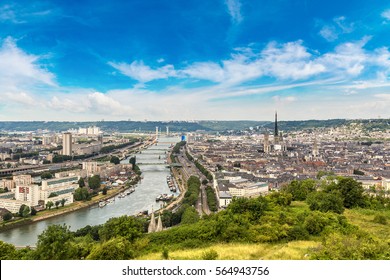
pixel 183 126
pixel 129 126
pixel 368 125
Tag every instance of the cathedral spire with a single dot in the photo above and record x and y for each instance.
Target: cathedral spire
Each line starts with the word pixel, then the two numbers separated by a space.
pixel 152 225
pixel 276 132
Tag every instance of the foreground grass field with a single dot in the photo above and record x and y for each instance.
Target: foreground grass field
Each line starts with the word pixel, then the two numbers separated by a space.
pixel 296 250
pixel 364 219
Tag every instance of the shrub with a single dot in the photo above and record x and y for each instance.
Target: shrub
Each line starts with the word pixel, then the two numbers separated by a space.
pixel 325 202
pixel 210 255
pixel 165 254
pixel 7 216
pixel 380 219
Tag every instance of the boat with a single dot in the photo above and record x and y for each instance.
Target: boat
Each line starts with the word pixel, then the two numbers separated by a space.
pixel 110 200
pixel 129 191
pixel 102 204
pixel 164 197
pixel 143 213
pixel 121 195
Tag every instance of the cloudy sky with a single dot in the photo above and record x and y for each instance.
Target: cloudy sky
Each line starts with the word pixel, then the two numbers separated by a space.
pixel 194 60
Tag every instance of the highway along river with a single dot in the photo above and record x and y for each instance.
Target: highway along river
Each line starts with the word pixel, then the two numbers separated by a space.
pixel 154 182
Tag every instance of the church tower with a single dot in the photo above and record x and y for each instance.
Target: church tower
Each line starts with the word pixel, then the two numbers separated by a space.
pixel 152 225
pixel 266 145
pixel 276 131
pixel 159 224
pixel 315 148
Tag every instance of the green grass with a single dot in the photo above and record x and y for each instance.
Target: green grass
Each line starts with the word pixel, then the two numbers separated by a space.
pixel 363 218
pixel 294 250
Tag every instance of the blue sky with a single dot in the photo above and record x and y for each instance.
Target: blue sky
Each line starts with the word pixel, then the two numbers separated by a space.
pixel 194 60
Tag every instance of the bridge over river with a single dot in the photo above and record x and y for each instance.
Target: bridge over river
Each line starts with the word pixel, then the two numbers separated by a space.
pixel 161 163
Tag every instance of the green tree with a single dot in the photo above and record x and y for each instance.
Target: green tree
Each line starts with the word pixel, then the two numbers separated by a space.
pixel 126 226
pixel 352 192
pixel 33 211
pixel 118 248
pixel 190 216
pixel 63 202
pixel 57 203
pixel 7 216
pixel 115 160
pixel 94 182
pixel 24 210
pixel 254 208
pixel 315 222
pixel 281 198
pixel 55 243
pixel 7 251
pixel 104 191
pixel 81 194
pixel 46 175
pixel 300 189
pixel 49 204
pixel 81 182
pixel 325 202
pixel 133 160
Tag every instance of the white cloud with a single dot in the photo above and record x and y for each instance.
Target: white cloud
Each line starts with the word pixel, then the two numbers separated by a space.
pixel 19 14
pixel 18 67
pixel 329 33
pixel 72 104
pixel 290 61
pixel 137 70
pixel 284 100
pixel 386 14
pixel 21 75
pixel 339 26
pixel 7 14
pixel 348 58
pixel 103 103
pixel 234 9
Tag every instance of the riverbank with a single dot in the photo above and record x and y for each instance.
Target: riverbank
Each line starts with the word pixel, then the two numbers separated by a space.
pixel 75 206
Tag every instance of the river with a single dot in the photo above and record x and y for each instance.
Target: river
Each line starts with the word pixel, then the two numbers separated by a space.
pixel 153 183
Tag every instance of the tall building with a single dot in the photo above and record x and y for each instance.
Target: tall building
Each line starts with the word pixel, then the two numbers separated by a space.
pixel 156 131
pixel 167 130
pixel 315 148
pixel 67 144
pixel 266 145
pixel 276 131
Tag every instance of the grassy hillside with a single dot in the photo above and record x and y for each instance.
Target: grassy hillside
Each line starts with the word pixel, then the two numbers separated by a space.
pixel 294 250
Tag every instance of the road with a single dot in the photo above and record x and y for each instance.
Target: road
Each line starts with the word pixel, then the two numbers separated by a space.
pixel 189 169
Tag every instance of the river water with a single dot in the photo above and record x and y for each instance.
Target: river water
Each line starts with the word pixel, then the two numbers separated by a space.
pixel 144 198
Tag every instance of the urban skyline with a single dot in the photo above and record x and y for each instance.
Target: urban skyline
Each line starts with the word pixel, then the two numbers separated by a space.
pixel 220 60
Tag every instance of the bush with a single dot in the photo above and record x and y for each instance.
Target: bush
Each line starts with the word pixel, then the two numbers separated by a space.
pixel 380 219
pixel 300 189
pixel 165 254
pixel 118 248
pixel 210 255
pixel 325 202
pixel 281 198
pixel 298 232
pixel 7 216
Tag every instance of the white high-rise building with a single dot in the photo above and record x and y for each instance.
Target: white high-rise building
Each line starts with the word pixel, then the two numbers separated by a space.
pixel 67 144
